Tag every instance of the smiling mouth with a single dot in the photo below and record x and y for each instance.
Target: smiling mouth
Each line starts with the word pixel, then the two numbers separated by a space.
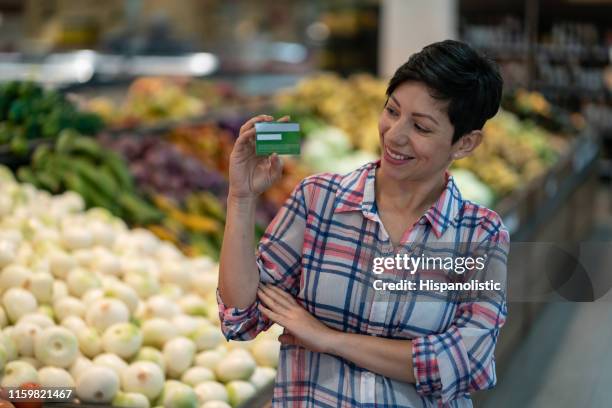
pixel 397 156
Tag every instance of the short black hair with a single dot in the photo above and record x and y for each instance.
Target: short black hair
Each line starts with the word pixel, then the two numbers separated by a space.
pixel 454 71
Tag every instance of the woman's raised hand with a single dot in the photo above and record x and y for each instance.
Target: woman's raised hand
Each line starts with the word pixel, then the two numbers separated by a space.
pixel 249 174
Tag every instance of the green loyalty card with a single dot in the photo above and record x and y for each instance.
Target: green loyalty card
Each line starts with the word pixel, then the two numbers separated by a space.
pixel 277 137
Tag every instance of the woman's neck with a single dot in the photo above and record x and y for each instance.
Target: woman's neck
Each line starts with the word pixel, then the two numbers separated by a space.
pixel 413 196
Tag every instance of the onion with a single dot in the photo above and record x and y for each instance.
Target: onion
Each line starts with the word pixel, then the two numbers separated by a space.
pixel 24 335
pixel 157 331
pixel 9 345
pixel 215 404
pixel 111 361
pixel 40 284
pixel 13 276
pixel 171 291
pixel 106 312
pixel 160 306
pixel 18 302
pixel 144 285
pixel 211 391
pixel 41 320
pixel 79 366
pixel 143 377
pixel 3 318
pixel 262 376
pixel 56 346
pixel 8 250
pixel 55 377
pixel 91 296
pixel 68 306
pixel 178 354
pixel 60 290
pixel 61 263
pixel 153 355
pixel 266 352
pixel 237 365
pixel 239 391
pixel 90 342
pixel 193 305
pixel 207 337
pixel 197 375
pixel 123 339
pixel 97 384
pixel 208 359
pixel 130 400
pixel 17 373
pixel 177 394
pixel 74 323
pixel 80 281
pixel 76 238
pixel 185 325
pixel 124 293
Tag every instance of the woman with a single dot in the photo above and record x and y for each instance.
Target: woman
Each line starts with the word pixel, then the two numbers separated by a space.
pixel 312 274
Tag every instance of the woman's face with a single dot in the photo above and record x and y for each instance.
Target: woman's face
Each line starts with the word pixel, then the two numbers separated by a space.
pixel 415 134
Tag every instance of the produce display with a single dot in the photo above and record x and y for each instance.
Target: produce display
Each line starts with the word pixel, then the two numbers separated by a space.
pixel 352 105
pixel 207 142
pixel 159 167
pixel 196 227
pixel 189 195
pixel 150 100
pixel 340 118
pixel 101 177
pixel 512 153
pixel 533 106
pixel 27 113
pixel 115 313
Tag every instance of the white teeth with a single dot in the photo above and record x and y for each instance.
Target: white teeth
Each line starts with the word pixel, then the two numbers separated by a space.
pixel 396 156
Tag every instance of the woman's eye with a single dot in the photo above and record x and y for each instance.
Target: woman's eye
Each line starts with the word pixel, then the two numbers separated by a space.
pixel 391 111
pixel 421 129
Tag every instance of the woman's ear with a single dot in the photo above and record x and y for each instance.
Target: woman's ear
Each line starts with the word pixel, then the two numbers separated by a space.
pixel 466 144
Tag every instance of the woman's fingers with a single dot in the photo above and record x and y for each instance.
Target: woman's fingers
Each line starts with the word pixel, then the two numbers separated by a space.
pixel 276 296
pixel 276 167
pixel 288 339
pixel 251 122
pixel 282 294
pixel 275 317
pixel 245 137
pixel 284 119
pixel 272 300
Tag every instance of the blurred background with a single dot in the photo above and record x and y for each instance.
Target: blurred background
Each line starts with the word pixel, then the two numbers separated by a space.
pixel 135 104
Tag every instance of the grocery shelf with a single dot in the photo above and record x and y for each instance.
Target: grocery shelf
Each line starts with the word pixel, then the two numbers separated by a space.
pixel 526 210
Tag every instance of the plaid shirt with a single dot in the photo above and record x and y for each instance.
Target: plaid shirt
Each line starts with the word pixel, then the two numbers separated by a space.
pixel 319 248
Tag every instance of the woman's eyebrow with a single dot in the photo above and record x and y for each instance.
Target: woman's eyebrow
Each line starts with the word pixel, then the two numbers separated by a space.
pixel 424 115
pixel 418 114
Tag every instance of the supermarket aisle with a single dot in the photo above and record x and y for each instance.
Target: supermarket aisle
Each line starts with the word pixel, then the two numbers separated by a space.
pixel 566 360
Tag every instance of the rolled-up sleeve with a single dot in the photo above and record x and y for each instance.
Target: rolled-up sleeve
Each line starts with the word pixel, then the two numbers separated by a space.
pixel 461 360
pixel 278 260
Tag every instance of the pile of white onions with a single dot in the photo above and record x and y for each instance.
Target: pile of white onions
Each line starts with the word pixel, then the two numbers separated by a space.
pixel 119 315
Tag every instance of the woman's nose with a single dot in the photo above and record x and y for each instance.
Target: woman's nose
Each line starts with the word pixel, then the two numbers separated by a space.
pixel 399 135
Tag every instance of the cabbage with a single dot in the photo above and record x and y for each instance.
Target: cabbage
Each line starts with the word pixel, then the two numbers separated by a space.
pixel 472 188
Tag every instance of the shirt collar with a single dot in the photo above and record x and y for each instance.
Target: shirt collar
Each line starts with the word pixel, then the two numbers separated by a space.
pixel 356 193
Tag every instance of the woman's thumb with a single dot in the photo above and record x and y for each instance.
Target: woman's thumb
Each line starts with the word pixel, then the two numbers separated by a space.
pixel 287 339
pixel 276 167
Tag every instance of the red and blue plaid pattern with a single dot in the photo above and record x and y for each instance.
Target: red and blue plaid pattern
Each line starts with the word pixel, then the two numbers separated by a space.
pixel 319 248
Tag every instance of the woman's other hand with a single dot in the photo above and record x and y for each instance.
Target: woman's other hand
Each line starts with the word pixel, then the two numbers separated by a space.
pixel 249 174
pixel 301 328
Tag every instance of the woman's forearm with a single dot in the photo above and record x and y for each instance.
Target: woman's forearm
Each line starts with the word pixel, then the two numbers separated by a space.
pixel 387 357
pixel 238 274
